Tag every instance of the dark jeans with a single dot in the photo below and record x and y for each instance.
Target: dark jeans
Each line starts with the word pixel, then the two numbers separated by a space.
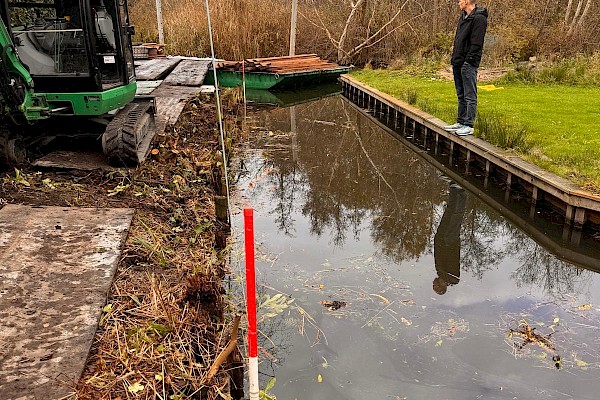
pixel 465 81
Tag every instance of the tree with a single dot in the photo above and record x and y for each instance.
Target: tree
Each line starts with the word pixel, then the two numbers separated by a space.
pixel 371 28
pixel 574 17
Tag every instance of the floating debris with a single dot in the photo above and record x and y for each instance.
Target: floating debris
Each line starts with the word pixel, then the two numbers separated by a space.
pixel 525 334
pixel 333 305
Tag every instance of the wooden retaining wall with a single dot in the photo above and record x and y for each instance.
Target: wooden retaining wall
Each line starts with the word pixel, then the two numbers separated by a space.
pixel 579 206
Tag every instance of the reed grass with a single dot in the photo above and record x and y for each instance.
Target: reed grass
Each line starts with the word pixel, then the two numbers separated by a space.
pixel 255 28
pixel 241 29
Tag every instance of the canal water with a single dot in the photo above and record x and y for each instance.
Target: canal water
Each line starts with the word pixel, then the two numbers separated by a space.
pixel 382 278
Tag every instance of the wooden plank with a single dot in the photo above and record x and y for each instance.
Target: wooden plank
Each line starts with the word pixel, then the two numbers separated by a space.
pixel 170 101
pixel 156 69
pixel 188 73
pixel 282 57
pixel 146 87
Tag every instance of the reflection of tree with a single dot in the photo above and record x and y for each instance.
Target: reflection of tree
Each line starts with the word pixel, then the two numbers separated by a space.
pixel 542 269
pixel 481 229
pixel 348 172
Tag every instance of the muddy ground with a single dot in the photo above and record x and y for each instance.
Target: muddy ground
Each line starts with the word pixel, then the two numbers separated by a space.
pixel 164 320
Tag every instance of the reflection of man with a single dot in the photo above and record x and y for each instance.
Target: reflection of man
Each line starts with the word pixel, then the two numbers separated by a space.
pixel 446 243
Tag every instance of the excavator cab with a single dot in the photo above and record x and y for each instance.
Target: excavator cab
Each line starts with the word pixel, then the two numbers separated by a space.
pixel 66 59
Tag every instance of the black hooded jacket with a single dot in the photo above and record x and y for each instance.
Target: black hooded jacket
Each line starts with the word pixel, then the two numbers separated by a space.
pixel 468 42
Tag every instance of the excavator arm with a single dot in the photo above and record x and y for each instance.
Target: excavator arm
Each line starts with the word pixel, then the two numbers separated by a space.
pixel 17 97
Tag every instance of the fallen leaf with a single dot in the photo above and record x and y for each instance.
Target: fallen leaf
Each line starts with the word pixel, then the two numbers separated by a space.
pixel 580 363
pixel 406 322
pixel 136 387
pixel 154 152
pixel 439 343
pixel 158 377
pixel 556 319
pixel 385 301
pixel 107 308
pixel 585 307
pixel 319 378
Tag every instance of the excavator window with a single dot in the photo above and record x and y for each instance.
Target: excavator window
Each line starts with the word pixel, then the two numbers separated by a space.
pixel 49 37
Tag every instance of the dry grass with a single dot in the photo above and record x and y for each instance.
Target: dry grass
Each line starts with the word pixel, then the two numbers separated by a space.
pixel 163 323
pixel 257 28
pixel 240 28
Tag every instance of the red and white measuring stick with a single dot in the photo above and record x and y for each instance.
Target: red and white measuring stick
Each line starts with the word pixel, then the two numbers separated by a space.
pixel 251 303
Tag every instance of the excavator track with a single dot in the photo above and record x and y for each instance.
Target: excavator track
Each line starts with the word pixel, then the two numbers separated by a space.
pixel 128 136
pixel 12 149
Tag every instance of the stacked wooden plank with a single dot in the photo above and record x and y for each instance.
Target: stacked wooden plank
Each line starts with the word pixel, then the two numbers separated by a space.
pixel 279 65
pixel 148 50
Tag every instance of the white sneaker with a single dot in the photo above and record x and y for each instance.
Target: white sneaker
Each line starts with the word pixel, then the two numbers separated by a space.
pixel 453 128
pixel 464 131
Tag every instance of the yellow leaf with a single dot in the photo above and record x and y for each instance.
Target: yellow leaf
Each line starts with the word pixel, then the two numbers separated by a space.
pixel 158 377
pixel 385 301
pixel 556 319
pixel 585 307
pixel 580 363
pixel 136 387
pixel 108 308
pixel 319 378
pixel 439 343
pixel 321 286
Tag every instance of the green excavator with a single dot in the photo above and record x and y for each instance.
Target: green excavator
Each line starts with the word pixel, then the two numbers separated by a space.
pixel 67 70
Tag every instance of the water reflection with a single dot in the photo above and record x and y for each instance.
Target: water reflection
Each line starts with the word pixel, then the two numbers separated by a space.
pixel 353 215
pixel 345 181
pixel 446 247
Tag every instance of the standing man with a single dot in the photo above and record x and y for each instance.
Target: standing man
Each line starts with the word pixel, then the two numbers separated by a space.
pixel 466 56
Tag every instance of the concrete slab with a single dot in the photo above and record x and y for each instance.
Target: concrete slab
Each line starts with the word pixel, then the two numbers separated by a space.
pixel 56 267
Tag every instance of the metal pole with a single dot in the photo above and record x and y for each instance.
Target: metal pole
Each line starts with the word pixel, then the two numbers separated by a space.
pixel 161 35
pixel 293 28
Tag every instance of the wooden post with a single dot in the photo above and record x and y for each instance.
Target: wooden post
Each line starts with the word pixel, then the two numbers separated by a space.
pixel 468 162
pixel 161 35
pixel 508 187
pixel 294 134
pixel 293 27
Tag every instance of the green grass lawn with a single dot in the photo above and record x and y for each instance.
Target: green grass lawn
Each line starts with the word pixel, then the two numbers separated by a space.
pixel 561 123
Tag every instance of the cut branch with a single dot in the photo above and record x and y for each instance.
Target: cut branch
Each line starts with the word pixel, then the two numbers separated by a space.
pixel 226 351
